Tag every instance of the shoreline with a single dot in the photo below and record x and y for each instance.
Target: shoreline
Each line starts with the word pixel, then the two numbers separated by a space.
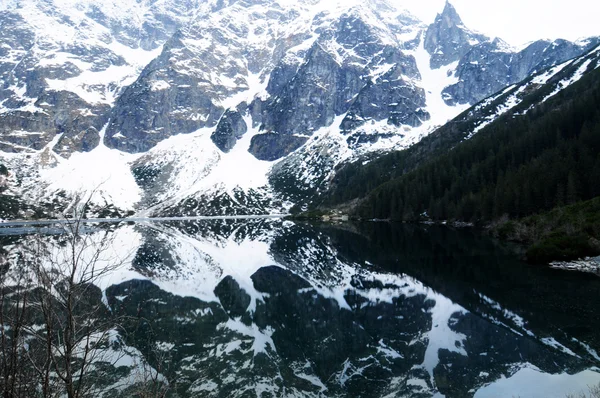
pixel 18 223
pixel 590 265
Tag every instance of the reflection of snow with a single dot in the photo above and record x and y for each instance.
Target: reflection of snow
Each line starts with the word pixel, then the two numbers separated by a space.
pixel 441 337
pixel 202 263
pixel 261 338
pixel 197 262
pixel 518 320
pixel 349 371
pixel 530 382
pixel 551 341
pixel 520 323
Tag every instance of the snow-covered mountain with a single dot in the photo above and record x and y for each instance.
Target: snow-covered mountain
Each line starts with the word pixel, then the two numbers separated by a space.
pixel 229 107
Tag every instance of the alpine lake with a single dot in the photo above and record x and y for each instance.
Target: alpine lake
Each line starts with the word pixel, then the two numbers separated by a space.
pixel 265 307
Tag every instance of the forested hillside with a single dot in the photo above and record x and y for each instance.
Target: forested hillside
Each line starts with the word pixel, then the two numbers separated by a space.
pixel 516 166
pixel 540 155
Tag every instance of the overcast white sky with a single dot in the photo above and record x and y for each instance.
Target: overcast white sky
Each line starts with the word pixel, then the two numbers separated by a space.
pixel 518 21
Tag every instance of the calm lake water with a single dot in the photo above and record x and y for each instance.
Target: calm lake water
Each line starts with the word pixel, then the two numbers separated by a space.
pixel 272 308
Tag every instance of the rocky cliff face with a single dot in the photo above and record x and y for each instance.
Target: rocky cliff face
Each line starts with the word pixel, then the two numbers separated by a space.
pixel 230 129
pixel 491 66
pixel 307 84
pixel 354 68
pixel 487 65
pixel 63 65
pixel 448 40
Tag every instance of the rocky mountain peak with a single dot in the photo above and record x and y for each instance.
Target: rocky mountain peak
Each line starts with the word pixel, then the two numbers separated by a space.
pixel 448 40
pixel 449 16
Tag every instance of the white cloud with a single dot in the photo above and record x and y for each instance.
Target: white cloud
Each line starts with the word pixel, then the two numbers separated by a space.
pixel 519 21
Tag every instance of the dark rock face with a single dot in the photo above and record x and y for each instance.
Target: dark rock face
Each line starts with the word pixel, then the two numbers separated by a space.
pixel 33 115
pixel 160 104
pixel 234 300
pixel 447 39
pixel 543 54
pixel 390 97
pixel 489 67
pixel 231 128
pixel 320 90
pixel 190 85
pixel 341 73
pixel 280 77
pixel 481 72
pixel 272 146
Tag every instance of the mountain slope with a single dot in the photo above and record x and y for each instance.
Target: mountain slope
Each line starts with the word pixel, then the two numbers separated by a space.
pixel 531 147
pixel 64 63
pixel 356 180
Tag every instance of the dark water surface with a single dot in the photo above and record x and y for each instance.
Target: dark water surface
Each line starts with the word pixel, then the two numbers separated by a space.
pixel 272 308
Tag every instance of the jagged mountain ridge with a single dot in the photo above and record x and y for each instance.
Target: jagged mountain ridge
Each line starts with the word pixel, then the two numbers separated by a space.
pixel 64 64
pixel 312 66
pixel 310 82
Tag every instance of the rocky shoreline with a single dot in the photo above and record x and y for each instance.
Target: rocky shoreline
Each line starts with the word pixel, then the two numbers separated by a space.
pixel 590 265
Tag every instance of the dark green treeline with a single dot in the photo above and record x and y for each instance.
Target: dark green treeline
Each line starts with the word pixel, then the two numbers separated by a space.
pixel 516 166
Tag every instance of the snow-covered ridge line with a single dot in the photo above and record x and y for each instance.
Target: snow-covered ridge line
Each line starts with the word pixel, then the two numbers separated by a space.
pixel 507 100
pixel 566 82
pixel 199 168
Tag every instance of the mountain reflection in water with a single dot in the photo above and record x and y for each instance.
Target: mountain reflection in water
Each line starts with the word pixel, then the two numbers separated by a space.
pixel 272 308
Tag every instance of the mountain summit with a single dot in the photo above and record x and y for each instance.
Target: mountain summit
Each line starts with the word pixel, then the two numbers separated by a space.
pixel 448 40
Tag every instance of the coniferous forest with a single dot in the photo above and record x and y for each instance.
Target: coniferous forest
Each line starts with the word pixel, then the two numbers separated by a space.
pixel 517 166
pixel 523 164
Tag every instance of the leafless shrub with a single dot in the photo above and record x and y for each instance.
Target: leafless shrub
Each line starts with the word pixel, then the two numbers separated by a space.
pixel 57 334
